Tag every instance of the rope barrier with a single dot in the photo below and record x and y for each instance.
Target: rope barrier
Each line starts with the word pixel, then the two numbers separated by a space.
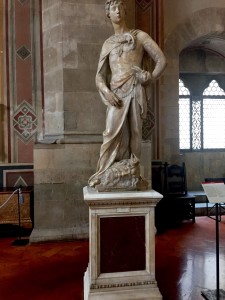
pixel 8 199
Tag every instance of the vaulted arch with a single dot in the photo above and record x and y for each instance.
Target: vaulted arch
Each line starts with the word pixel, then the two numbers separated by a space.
pixel 203 28
pixel 196 29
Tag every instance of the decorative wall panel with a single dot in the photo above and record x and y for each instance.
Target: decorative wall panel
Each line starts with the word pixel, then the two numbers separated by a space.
pixel 2 86
pixel 19 102
pixel 144 4
pixel 25 121
pixel 23 52
pixel 14 175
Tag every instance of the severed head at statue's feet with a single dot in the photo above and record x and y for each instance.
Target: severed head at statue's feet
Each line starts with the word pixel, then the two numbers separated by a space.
pixel 122 176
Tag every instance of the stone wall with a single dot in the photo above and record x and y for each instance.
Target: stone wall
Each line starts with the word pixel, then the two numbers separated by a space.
pixel 71 50
pixel 73 32
pixel 61 172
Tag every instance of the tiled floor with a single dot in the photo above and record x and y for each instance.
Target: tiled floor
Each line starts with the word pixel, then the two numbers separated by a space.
pixel 185 265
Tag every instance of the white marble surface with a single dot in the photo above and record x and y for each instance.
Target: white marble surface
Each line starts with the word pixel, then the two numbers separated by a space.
pixel 128 293
pixel 91 194
pixel 140 284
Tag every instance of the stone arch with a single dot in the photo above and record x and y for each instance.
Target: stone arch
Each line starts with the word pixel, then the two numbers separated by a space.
pixel 205 23
pixel 194 28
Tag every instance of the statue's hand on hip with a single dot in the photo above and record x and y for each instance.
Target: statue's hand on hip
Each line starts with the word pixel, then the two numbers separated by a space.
pixel 143 76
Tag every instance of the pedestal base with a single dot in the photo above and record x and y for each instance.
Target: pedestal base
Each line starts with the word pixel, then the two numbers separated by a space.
pixel 132 292
pixel 122 246
pixel 212 294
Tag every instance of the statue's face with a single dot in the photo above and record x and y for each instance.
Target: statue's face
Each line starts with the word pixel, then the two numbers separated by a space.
pixel 117 12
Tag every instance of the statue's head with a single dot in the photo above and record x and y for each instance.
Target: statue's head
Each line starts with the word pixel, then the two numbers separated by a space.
pixel 111 2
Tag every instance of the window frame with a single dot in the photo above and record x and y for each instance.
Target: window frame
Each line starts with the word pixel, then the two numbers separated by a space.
pixel 196 93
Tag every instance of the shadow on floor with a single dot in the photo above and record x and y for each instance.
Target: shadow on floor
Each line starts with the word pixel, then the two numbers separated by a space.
pixel 12 230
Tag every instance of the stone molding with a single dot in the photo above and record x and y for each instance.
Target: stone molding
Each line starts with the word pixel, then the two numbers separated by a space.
pixel 125 284
pixel 148 198
pixel 136 202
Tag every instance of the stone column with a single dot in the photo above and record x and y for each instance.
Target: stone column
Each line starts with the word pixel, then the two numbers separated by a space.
pixel 66 153
pixel 52 18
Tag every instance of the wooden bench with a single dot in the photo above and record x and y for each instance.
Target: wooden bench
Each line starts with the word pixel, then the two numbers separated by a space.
pixel 9 213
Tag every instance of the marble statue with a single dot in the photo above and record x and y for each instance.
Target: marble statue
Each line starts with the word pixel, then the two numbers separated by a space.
pixel 123 85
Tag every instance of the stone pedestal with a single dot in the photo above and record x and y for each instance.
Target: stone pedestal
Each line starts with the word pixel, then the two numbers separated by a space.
pixel 122 246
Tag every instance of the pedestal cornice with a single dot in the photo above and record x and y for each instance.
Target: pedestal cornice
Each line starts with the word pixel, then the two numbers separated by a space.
pixel 120 198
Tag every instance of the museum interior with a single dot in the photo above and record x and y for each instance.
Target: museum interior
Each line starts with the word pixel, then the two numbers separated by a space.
pixel 52 123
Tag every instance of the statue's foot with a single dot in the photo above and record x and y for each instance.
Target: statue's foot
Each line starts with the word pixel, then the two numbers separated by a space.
pixel 94 182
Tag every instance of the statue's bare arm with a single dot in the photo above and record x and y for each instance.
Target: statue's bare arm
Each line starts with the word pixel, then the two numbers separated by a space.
pixel 155 53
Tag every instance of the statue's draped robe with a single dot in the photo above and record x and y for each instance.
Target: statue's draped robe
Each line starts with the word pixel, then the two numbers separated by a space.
pixel 119 123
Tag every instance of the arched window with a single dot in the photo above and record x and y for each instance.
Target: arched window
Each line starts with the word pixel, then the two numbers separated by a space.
pixel 213 116
pixel 202 118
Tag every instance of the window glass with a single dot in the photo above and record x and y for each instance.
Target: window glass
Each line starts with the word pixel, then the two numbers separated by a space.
pixel 202 118
pixel 184 116
pixel 214 117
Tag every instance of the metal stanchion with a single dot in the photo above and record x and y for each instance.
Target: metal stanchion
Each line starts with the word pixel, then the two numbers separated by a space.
pixel 20 241
pixel 217 294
